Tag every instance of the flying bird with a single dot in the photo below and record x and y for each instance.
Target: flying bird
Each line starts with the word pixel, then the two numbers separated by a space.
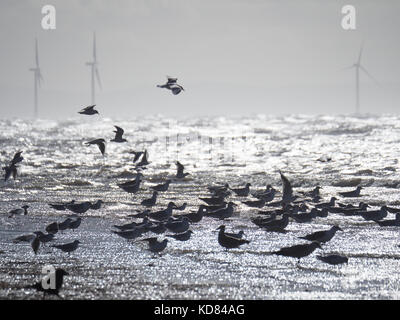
pixel 172 85
pixel 89 110
pixel 180 168
pixel 101 143
pixel 118 135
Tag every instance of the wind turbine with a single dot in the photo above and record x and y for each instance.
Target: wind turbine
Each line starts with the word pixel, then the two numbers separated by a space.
pixel 359 67
pixel 37 79
pixel 94 70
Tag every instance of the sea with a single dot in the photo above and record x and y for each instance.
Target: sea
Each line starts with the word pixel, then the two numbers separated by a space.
pixel 336 152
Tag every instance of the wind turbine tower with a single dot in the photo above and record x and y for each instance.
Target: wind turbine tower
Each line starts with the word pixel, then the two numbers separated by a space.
pixel 94 71
pixel 37 80
pixel 359 67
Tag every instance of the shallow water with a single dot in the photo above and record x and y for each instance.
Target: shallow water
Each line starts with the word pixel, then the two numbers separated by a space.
pixel 58 166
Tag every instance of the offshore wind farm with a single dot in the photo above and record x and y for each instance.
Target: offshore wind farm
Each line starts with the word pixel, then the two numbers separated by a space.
pixel 227 156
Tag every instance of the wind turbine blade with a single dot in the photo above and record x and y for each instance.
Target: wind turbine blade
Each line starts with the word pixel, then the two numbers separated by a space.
pixel 94 47
pixel 369 75
pixel 36 54
pixel 359 56
pixel 98 78
pixel 347 68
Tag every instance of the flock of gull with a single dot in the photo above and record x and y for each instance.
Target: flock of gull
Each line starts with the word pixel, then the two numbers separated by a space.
pixel 273 209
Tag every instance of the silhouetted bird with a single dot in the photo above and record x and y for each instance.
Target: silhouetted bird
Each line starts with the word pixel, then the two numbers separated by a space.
pixel 65 224
pixel 61 206
pixel 35 244
pixel 287 190
pixel 79 207
pixel 52 228
pixel 155 245
pixel 185 236
pixel 144 161
pixel 322 236
pixel 172 85
pixel 97 205
pixel 179 173
pixel 68 247
pixel 162 214
pixel 298 251
pixel 227 241
pixel 118 135
pixel 390 223
pixel 137 155
pixel 20 211
pixel 101 143
pixel 177 226
pixel 223 213
pixel 276 225
pixel 150 201
pixel 242 192
pixel 351 194
pixel 10 170
pixel 89 110
pixel 197 216
pixel 17 158
pixel 75 224
pixel 162 187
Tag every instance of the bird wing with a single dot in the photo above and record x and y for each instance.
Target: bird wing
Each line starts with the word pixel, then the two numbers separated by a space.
pixel 119 131
pixel 171 80
pixel 180 168
pixel 102 147
pixel 287 192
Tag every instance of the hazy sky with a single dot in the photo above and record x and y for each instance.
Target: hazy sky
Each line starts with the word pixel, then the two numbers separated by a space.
pixel 232 57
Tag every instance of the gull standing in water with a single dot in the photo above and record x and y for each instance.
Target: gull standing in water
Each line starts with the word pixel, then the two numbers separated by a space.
pixel 101 143
pixel 242 192
pixel 223 213
pixel 155 245
pixel 68 247
pixel 20 211
pixel 227 241
pixel 298 251
pixel 197 216
pixel 351 194
pixel 162 214
pixel 322 236
pixel 162 187
pixel 118 135
pixel 177 226
pixel 89 110
pixel 185 236
pixel 150 201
